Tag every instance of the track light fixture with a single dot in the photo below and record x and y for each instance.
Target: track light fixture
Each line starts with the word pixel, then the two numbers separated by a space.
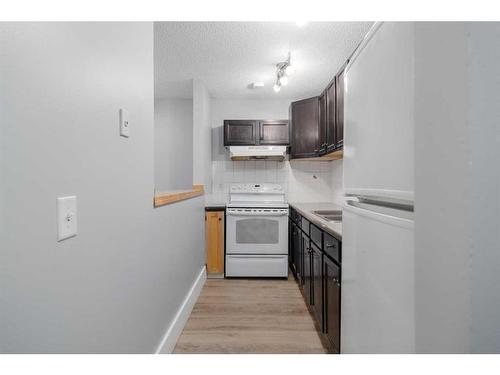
pixel 283 70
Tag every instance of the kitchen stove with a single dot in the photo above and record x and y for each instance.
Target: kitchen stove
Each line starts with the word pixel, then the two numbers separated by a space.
pixel 257 231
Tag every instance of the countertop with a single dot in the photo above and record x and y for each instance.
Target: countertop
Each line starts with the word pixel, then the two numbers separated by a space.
pixel 306 210
pixel 214 203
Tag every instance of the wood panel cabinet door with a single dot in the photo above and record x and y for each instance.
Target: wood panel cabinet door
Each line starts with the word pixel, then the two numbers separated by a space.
pixel 323 122
pixel 304 128
pixel 214 233
pixel 274 132
pixel 332 303
pixel 240 132
pixel 331 140
pixel 339 102
pixel 317 283
pixel 306 268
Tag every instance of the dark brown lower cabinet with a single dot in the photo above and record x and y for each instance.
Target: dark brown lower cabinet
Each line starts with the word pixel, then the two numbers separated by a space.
pixel 296 253
pixel 315 262
pixel 332 303
pixel 306 268
pixel 299 257
pixel 317 283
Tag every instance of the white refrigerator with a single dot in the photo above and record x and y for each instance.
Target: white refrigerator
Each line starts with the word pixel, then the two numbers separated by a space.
pixel 377 301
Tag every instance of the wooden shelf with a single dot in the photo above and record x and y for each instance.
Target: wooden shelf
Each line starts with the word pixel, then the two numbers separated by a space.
pixel 161 199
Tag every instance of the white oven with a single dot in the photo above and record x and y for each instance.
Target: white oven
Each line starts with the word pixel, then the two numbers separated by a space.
pixel 257 231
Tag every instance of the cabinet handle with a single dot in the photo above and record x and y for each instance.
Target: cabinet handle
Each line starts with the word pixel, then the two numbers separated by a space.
pixel 330 246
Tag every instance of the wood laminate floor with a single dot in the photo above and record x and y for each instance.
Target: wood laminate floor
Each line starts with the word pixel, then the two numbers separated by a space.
pixel 250 316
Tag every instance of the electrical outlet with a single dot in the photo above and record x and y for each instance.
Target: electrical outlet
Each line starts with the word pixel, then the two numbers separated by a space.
pixel 124 123
pixel 66 217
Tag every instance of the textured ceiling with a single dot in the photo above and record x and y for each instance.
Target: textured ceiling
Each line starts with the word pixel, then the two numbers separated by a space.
pixel 228 56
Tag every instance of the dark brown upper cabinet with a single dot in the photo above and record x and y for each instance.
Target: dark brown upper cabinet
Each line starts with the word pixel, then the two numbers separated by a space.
pixel 304 118
pixel 331 123
pixel 274 132
pixel 256 132
pixel 339 110
pixel 317 124
pixel 240 132
pixel 323 121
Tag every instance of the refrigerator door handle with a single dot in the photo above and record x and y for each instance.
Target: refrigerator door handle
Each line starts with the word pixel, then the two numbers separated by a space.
pixel 388 215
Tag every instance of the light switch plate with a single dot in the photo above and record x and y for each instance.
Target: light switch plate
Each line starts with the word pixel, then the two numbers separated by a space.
pixel 66 217
pixel 124 123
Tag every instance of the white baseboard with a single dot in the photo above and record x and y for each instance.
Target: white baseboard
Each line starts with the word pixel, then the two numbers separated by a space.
pixel 168 342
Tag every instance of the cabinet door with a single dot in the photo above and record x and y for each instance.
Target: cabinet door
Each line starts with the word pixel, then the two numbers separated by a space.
pixel 274 132
pixel 293 247
pixel 214 235
pixel 339 118
pixel 305 128
pixel 290 245
pixel 240 132
pixel 307 268
pixel 330 116
pixel 323 120
pixel 317 283
pixel 332 303
pixel 298 256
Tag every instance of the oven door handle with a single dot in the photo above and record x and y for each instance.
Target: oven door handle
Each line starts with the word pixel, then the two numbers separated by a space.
pixel 242 213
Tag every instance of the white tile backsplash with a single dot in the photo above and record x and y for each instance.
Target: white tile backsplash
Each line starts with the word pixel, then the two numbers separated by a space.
pixel 303 181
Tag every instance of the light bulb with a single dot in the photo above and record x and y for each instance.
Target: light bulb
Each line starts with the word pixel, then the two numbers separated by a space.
pixel 276 87
pixel 290 69
pixel 284 80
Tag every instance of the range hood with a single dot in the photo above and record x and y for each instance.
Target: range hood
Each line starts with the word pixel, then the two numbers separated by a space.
pixel 257 152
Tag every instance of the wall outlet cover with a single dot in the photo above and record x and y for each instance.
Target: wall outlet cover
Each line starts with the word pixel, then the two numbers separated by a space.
pixel 66 217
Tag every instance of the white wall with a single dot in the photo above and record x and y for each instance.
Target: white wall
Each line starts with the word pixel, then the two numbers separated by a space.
pixel 202 150
pixel 457 192
pixel 304 181
pixel 442 189
pixel 173 144
pixel 118 284
pixel 485 136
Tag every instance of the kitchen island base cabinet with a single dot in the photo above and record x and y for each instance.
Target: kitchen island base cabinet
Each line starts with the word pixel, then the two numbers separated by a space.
pixel 214 236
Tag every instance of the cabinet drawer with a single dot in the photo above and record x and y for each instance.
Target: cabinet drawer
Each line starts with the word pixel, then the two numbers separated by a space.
pixel 305 225
pixel 316 235
pixel 332 247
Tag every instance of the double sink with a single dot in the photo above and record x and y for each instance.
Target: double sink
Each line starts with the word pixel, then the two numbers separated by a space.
pixel 334 216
